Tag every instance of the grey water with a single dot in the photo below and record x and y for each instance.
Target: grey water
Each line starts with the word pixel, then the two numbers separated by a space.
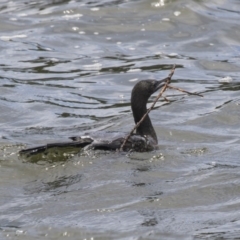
pixel 68 67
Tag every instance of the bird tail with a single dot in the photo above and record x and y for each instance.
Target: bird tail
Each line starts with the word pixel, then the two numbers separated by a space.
pixel 41 149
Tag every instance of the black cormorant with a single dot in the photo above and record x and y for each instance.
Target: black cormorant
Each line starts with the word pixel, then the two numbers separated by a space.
pixel 145 138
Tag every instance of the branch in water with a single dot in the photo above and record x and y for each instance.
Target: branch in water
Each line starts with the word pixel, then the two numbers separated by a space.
pixel 152 106
pixel 182 90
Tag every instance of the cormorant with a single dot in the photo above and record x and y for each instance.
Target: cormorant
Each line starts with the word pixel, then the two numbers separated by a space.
pixel 145 138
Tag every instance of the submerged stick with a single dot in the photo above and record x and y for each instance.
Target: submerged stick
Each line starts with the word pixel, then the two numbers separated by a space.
pixel 152 106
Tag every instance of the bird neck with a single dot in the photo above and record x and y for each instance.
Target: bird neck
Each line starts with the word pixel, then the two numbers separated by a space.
pixel 145 128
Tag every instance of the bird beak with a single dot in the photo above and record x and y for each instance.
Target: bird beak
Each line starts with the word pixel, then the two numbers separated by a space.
pixel 161 83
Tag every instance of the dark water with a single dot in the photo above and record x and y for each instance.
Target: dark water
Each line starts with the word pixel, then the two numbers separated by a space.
pixel 68 67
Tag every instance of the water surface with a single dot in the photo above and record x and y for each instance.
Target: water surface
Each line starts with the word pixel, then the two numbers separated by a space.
pixel 68 67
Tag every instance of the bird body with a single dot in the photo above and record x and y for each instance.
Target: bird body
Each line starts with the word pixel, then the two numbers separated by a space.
pixel 145 138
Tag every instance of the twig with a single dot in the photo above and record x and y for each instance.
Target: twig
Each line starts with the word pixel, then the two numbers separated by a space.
pixel 165 99
pixel 181 90
pixel 152 106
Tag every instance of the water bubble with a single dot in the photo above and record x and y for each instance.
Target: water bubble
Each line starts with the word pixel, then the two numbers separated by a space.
pixel 158 4
pixel 133 80
pixel 8 38
pixel 94 9
pixel 54 59
pixel 95 66
pixel 75 28
pixel 72 16
pixel 227 79
pixel 135 70
pixel 165 19
pixel 172 54
pixel 19 232
pixel 177 13
pixel 214 164
pixel 22 15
